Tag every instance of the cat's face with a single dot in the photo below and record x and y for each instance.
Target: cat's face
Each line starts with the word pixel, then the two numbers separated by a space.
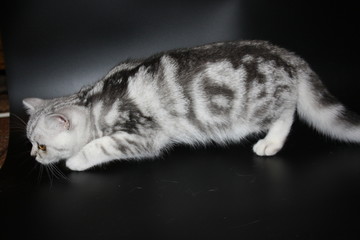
pixel 55 135
pixel 51 138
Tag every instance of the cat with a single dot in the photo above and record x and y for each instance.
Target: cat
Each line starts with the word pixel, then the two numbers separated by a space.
pixel 219 92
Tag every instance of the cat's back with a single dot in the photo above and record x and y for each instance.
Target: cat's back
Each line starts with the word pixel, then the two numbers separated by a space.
pixel 215 86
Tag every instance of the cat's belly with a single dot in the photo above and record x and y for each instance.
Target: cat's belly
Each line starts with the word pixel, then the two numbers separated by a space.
pixel 191 132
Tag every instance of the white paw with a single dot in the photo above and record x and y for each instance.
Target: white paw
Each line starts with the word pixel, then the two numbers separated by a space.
pixel 77 164
pixel 267 148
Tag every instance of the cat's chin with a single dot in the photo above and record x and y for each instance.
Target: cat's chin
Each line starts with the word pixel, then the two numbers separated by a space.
pixel 47 161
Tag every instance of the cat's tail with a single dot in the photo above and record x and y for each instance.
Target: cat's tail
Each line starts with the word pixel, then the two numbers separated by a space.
pixel 324 112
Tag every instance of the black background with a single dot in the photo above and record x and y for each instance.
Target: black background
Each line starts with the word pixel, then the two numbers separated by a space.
pixel 310 190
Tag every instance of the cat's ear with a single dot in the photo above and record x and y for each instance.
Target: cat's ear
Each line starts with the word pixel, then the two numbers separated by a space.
pixel 57 122
pixel 31 104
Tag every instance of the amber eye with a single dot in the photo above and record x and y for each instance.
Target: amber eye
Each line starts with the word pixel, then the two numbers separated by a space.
pixel 42 147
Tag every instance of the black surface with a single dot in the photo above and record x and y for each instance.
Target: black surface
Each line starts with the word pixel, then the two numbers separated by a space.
pixel 310 190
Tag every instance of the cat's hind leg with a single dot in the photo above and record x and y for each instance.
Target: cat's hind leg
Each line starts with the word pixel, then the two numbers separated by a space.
pixel 276 136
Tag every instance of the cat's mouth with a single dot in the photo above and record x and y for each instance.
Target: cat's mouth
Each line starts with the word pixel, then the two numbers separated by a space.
pixel 46 161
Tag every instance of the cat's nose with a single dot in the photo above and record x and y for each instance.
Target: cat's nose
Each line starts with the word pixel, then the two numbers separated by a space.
pixel 33 153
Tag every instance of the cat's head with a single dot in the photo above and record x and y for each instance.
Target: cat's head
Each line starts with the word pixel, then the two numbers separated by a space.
pixel 56 130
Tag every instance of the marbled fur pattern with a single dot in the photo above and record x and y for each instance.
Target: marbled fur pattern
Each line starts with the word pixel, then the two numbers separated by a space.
pixel 219 92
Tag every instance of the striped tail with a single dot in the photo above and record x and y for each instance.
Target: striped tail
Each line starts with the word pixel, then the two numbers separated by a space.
pixel 324 112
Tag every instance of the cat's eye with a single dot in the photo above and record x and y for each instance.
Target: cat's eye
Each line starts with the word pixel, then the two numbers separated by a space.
pixel 42 147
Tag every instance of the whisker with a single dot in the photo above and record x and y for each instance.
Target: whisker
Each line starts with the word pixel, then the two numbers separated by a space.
pixel 18 118
pixel 23 152
pixel 29 173
pixel 22 155
pixel 13 127
pixel 58 173
pixel 17 124
pixel 52 170
pixel 41 170
pixel 24 159
pixel 17 130
pixel 20 138
pixel 49 173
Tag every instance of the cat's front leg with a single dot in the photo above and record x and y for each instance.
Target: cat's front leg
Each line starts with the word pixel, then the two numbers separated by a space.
pixel 90 155
pixel 78 163
pixel 117 146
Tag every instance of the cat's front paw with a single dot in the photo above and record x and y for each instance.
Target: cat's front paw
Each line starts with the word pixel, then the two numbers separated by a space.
pixel 265 147
pixel 77 164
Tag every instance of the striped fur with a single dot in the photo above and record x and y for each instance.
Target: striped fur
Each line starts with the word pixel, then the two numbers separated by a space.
pixel 219 92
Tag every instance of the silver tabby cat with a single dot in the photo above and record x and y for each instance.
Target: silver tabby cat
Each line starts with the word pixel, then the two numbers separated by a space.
pixel 219 92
